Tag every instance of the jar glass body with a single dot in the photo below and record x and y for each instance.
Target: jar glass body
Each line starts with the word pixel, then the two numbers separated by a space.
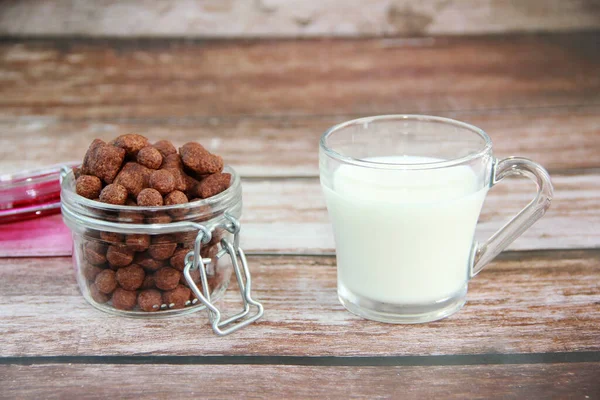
pixel 129 260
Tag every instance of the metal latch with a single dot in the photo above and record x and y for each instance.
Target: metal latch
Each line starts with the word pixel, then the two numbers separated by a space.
pixel 194 260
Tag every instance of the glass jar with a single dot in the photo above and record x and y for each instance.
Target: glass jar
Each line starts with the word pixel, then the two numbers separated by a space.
pixel 159 261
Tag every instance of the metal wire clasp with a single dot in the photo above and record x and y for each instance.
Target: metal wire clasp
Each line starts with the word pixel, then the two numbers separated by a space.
pixel 194 260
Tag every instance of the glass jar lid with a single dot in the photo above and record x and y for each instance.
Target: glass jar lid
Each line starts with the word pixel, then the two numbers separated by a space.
pixel 30 194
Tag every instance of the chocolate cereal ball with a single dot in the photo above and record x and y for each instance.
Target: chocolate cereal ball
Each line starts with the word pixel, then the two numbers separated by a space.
pixel 133 177
pixel 187 238
pixel 113 194
pixel 149 300
pixel 137 242
pixel 217 235
pixel 172 161
pixel 131 277
pixel 173 198
pixel 90 271
pixel 195 157
pixel 165 148
pixel 162 247
pixel 102 160
pixel 167 278
pixel 97 295
pixel 158 218
pixel 177 261
pixel 181 179
pixel 195 275
pixel 150 157
pixel 131 216
pixel 149 198
pixel 149 282
pixel 111 237
pixel 177 297
pixel 132 143
pixel 213 185
pixel 124 299
pixel 88 186
pixel 95 252
pixel 209 251
pixel 106 281
pixel 162 180
pixel 119 256
pixel 148 263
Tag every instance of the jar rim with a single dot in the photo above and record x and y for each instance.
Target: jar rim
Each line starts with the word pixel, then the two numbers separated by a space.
pixel 484 150
pixel 79 211
pixel 69 196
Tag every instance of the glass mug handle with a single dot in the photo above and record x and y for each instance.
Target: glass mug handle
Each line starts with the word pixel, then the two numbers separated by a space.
pixel 487 251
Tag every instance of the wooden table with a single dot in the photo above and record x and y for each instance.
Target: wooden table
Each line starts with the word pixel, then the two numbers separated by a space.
pixel 531 326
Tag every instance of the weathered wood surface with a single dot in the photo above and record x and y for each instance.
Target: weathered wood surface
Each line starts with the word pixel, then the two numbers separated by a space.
pixel 523 303
pixel 559 138
pixel 534 381
pixel 263 105
pixel 289 216
pixel 98 80
pixel 276 18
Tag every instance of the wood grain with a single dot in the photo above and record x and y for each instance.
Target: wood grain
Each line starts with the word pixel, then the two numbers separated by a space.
pixel 538 381
pixel 523 303
pixel 95 80
pixel 263 104
pixel 273 18
pixel 558 137
pixel 289 216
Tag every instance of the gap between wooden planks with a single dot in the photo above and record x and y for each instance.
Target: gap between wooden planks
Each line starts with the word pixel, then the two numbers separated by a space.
pixel 524 302
pixel 296 382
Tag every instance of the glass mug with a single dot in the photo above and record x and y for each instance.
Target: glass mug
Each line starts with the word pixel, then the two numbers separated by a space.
pixel 404 193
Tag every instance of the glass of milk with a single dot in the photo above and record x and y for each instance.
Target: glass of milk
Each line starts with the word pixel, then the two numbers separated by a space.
pixel 404 193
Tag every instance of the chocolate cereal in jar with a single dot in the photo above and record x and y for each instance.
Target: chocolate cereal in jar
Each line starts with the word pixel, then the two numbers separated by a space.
pixel 156 230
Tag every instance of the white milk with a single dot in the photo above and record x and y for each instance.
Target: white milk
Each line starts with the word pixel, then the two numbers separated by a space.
pixel 404 237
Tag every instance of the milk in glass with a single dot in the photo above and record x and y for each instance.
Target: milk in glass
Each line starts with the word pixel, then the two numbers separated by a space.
pixel 404 236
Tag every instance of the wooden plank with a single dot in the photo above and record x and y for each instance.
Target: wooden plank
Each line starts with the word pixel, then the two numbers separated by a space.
pixel 537 381
pixel 289 216
pixel 558 138
pixel 523 303
pixel 161 79
pixel 272 18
